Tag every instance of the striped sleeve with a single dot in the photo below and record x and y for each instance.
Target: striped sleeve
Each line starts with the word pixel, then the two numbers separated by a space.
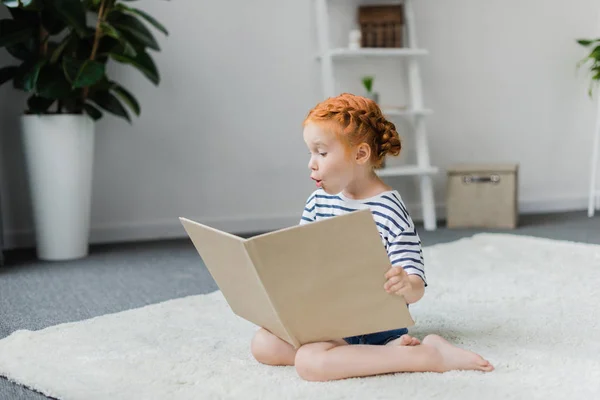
pixel 405 251
pixel 309 213
pixel 404 248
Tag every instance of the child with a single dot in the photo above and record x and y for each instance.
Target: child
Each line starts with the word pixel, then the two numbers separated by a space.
pixel 348 137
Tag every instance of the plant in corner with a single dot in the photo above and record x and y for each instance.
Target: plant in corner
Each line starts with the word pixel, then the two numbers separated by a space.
pixel 593 61
pixel 60 62
pixel 367 82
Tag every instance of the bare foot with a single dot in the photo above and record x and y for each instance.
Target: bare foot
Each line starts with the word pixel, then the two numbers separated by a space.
pixel 457 358
pixel 404 340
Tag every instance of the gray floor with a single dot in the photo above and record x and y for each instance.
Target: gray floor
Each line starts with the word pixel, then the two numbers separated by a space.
pixel 35 295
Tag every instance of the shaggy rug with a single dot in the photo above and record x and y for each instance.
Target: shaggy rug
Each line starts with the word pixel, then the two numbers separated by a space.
pixel 529 305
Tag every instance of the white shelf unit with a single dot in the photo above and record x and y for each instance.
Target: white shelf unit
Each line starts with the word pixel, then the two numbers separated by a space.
pixel 416 113
pixel 407 170
pixel 376 52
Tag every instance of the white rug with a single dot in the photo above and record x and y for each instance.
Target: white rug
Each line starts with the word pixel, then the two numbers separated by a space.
pixel 531 306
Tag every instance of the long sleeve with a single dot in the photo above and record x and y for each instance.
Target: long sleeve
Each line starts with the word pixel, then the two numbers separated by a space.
pixel 405 251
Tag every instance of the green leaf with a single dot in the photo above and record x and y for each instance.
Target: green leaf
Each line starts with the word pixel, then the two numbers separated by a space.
pixel 110 103
pixel 150 19
pixel 89 73
pixel 59 50
pixel 72 13
pixel 71 68
pixel 19 51
pixel 22 71
pixel 103 85
pixel 14 31
pixel 368 82
pixel 587 42
pixel 52 84
pixel 31 77
pixel 7 73
pixel 143 62
pixel 131 25
pixel 127 98
pixel 39 105
pixel 595 54
pixel 24 50
pixel 92 111
pixel 110 31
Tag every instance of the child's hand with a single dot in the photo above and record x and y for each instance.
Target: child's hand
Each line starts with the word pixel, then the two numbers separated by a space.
pixel 397 281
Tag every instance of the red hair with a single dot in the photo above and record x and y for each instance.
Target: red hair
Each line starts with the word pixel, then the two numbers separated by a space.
pixel 357 120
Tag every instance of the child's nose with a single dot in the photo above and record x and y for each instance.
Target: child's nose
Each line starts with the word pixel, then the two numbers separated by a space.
pixel 312 165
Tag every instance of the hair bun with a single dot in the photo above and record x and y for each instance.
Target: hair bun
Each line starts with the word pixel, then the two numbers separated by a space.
pixel 389 142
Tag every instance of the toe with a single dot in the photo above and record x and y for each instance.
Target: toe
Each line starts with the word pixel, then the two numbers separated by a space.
pixel 486 366
pixel 405 340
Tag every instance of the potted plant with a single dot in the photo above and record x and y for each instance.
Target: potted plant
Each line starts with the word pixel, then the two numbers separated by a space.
pixel 593 61
pixel 60 62
pixel 368 85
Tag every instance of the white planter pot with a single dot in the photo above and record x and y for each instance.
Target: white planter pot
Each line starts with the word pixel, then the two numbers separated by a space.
pixel 59 153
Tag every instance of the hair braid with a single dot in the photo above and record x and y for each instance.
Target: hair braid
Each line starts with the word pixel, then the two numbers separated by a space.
pixel 361 121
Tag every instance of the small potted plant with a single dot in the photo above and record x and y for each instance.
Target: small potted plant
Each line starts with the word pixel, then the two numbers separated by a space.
pixel 368 84
pixel 60 62
pixel 593 61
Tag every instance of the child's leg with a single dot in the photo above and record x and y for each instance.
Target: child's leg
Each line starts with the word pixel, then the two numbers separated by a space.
pixel 269 349
pixel 328 361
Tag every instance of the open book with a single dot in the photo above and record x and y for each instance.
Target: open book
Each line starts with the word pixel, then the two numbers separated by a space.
pixel 307 283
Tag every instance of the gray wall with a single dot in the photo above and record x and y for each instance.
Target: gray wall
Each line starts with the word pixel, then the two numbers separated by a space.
pixel 220 139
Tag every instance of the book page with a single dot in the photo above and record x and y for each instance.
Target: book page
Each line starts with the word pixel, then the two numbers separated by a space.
pixel 228 262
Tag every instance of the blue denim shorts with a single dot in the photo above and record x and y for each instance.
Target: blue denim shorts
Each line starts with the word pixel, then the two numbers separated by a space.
pixel 377 338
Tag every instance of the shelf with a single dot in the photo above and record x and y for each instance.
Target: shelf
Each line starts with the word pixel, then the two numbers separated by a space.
pixel 376 52
pixel 406 170
pixel 389 111
pixel 412 110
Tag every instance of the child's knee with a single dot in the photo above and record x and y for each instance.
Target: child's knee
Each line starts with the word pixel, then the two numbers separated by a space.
pixel 269 349
pixel 261 346
pixel 311 362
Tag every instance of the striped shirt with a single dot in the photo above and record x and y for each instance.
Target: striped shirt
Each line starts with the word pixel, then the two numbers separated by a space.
pixel 395 226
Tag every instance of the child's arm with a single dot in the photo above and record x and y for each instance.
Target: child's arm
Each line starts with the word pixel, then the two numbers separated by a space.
pixel 400 283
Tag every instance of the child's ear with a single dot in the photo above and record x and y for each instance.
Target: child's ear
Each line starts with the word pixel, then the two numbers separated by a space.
pixel 363 153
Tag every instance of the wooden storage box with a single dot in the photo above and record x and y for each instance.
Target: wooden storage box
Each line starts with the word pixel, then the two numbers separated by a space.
pixel 381 26
pixel 482 196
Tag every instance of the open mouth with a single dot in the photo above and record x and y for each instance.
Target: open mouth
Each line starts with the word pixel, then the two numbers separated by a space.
pixel 318 182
